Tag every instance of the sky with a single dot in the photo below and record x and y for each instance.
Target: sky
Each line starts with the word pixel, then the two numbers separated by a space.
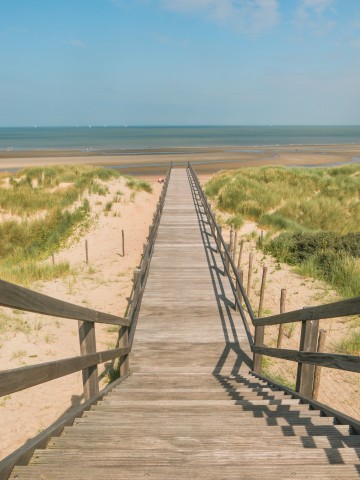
pixel 179 62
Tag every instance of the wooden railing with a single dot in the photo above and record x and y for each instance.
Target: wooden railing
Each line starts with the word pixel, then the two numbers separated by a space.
pixel 14 380
pixel 307 356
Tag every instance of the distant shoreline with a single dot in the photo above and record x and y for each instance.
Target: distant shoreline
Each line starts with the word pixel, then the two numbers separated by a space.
pixel 208 160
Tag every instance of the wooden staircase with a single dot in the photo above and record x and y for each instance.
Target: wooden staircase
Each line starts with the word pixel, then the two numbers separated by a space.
pixel 198 426
pixel 191 408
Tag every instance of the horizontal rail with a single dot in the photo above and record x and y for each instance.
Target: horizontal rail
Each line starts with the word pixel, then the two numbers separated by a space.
pixel 330 310
pixel 350 363
pixel 20 298
pixel 18 379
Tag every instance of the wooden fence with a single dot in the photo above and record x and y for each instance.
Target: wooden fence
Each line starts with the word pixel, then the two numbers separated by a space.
pixel 306 356
pixel 14 380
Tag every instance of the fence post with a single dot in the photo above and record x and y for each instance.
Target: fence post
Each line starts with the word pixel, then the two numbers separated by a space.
pixel 308 343
pixel 320 348
pixel 238 291
pixel 218 241
pixel 262 291
pixel 231 246
pixel 282 310
pixel 123 342
pixel 240 254
pixel 249 274
pixel 123 242
pixel 227 256
pixel 259 342
pixel 87 346
pixel 235 245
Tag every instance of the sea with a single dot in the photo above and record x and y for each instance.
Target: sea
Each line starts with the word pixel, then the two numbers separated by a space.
pixel 119 138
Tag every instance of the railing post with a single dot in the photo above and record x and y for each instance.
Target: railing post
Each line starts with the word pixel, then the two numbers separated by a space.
pixel 308 343
pixel 123 342
pixel 87 346
pixel 238 291
pixel 259 342
pixel 282 310
pixel 317 375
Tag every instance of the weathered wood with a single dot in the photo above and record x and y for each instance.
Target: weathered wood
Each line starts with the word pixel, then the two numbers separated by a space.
pixel 87 347
pixel 342 418
pixel 240 254
pixel 235 246
pixel 124 360
pixel 350 363
pixel 330 310
pixel 249 274
pixel 317 376
pixel 21 298
pixel 308 343
pixel 53 258
pixel 282 310
pixel 25 377
pixel 262 291
pixel 258 341
pixel 22 455
pixel 238 289
pixel 123 242
pixel 231 245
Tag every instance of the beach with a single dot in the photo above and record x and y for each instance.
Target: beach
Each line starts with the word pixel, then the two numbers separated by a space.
pixel 206 160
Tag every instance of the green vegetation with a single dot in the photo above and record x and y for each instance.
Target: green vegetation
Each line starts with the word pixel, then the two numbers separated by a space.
pixel 324 255
pixel 138 185
pixel 349 344
pixel 316 211
pixel 277 377
pixel 41 209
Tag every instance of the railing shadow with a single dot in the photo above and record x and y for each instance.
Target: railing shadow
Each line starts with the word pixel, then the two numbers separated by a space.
pixel 234 334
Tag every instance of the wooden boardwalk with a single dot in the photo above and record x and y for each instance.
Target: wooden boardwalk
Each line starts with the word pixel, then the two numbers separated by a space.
pixel 190 409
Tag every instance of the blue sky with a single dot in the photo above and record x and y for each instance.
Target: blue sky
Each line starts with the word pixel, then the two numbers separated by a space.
pixel 179 62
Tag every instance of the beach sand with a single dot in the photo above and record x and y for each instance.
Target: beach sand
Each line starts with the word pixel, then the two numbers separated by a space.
pixel 206 160
pixel 106 283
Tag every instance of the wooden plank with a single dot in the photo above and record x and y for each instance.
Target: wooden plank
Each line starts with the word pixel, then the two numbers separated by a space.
pixel 20 298
pixel 342 418
pixel 350 363
pixel 22 455
pixel 18 379
pixel 331 310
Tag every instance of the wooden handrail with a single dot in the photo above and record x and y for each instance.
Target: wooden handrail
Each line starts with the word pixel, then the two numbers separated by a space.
pixel 309 317
pixel 330 310
pixel 21 378
pixel 226 259
pixel 350 363
pixel 20 298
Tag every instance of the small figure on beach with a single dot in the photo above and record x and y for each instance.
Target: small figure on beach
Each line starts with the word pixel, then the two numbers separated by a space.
pixel 160 180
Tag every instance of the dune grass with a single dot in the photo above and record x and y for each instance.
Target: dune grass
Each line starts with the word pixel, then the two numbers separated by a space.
pixel 41 207
pixel 315 210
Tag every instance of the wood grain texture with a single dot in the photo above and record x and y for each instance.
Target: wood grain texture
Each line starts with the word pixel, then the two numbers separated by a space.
pixel 331 310
pixel 21 298
pixel 190 409
pixel 350 363
pixel 18 379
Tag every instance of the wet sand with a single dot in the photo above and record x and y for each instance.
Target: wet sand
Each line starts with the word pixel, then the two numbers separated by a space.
pixel 209 160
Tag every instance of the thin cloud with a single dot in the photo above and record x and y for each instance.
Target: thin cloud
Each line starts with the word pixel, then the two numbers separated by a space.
pixel 316 14
pixel 75 42
pixel 248 16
